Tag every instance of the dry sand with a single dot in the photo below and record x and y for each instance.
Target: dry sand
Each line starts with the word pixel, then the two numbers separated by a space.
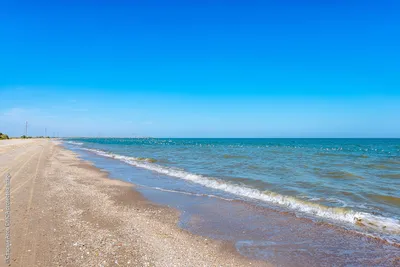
pixel 65 212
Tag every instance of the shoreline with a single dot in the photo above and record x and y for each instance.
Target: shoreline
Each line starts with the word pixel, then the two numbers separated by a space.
pixel 65 211
pixel 367 222
pixel 279 237
pixel 127 196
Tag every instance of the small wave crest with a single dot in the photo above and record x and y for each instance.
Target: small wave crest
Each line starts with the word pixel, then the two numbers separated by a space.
pixel 377 224
pixel 391 200
pixel 337 174
pixel 227 156
pixel 186 193
pixel 151 160
pixel 381 167
pixel 390 175
pixel 120 157
pixel 74 143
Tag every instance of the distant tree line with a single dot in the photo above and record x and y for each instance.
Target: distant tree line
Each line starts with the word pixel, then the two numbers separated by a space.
pixel 28 137
pixel 3 136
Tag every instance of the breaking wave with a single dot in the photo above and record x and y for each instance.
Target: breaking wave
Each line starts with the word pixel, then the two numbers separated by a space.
pixel 74 143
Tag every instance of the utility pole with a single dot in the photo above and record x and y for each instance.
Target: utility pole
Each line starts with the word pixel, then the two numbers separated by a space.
pixel 26 129
pixel 45 132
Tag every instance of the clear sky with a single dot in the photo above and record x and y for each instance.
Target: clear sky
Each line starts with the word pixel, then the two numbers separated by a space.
pixel 201 68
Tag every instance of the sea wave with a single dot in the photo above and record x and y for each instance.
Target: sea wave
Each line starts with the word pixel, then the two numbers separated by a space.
pixel 367 221
pixel 74 143
pixel 186 193
pixel 338 174
pixel 228 156
pixel 151 160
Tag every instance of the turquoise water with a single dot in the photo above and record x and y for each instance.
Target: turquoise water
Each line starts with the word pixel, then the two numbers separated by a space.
pixel 343 181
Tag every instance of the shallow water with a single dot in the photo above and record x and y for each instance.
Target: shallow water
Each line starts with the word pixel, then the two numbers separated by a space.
pixel 348 182
pixel 256 230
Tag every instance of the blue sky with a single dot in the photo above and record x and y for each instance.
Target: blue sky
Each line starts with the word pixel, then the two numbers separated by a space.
pixel 201 68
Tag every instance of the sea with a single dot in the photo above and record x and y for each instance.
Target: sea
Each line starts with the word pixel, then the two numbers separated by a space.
pixel 268 187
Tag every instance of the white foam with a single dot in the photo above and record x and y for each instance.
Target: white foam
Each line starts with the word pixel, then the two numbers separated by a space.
pixel 74 143
pixel 372 222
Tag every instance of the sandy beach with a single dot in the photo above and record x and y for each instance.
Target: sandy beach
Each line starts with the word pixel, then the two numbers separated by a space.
pixel 65 212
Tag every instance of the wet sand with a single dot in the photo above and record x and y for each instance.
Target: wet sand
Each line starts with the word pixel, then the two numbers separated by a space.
pixel 66 212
